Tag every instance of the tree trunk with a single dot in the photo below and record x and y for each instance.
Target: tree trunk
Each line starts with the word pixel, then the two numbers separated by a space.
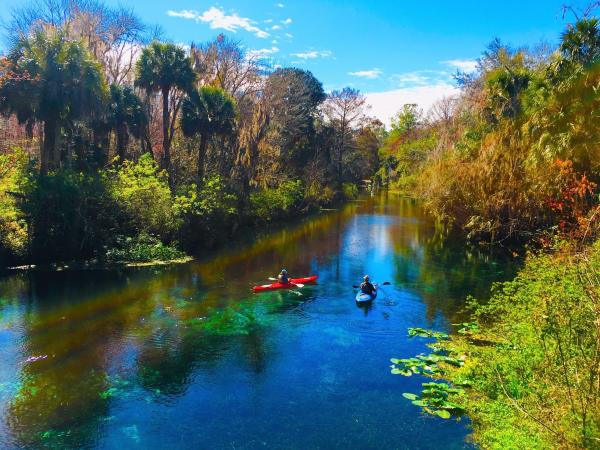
pixel 166 157
pixel 201 155
pixel 122 141
pixel 48 147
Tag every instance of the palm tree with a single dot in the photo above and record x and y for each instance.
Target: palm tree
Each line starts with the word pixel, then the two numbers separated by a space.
pixel 207 112
pixel 126 116
pixel 53 81
pixel 581 43
pixel 164 68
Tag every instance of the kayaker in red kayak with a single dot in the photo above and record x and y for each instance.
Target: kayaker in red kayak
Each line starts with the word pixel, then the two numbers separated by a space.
pixel 283 277
pixel 366 287
pixel 289 283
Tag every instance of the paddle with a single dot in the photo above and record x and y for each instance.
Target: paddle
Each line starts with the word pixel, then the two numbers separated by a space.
pixel 385 283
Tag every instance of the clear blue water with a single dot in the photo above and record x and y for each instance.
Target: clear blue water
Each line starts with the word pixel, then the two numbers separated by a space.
pixel 187 357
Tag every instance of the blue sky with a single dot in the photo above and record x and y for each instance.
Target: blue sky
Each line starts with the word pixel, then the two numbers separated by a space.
pixel 394 51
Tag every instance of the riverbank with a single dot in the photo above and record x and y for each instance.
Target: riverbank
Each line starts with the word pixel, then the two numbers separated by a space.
pixel 128 213
pixel 533 361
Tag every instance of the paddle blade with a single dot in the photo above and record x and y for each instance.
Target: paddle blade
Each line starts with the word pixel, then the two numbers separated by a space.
pixel 272 279
pixel 299 285
pixel 386 283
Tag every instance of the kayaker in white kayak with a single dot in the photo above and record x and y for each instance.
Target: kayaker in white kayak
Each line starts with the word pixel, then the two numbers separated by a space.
pixel 283 277
pixel 366 287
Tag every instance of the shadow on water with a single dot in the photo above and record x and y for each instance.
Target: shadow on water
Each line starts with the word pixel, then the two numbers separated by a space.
pixel 186 356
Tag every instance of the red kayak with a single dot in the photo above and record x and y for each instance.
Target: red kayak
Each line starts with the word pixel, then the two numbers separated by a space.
pixel 294 282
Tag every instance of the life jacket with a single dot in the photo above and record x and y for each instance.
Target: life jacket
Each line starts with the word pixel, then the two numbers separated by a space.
pixel 367 288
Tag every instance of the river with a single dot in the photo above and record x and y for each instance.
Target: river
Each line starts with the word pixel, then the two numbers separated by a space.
pixel 185 356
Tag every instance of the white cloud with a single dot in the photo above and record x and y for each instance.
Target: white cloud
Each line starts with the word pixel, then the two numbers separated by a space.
pixel 184 14
pixel 280 5
pixel 286 21
pixel 371 74
pixel 268 21
pixel 313 54
pixel 464 65
pixel 262 53
pixel 217 19
pixel 386 104
pixel 289 35
pixel 276 27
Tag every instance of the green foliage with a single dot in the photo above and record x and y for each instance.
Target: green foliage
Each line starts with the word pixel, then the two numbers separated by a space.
pixel 319 195
pixel 405 149
pixel 292 97
pixel 406 121
pixel 142 192
pixel 141 248
pixel 162 66
pixel 350 190
pixel 70 215
pixel 276 203
pixel 209 110
pixel 13 227
pixel 52 80
pixel 436 400
pixel 533 356
pixel 422 332
pixel 206 214
pixel 126 115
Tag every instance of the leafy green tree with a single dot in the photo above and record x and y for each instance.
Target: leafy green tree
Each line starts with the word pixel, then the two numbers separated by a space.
pixel 407 121
pixel 51 80
pixel 165 68
pixel 581 42
pixel 207 112
pixel 126 116
pixel 292 97
pixel 142 191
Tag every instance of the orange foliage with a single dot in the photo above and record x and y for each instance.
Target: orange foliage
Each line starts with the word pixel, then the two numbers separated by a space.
pixel 574 204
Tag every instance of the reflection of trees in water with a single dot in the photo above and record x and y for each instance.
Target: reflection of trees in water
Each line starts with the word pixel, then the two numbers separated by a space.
pixel 59 400
pixel 442 268
pixel 82 320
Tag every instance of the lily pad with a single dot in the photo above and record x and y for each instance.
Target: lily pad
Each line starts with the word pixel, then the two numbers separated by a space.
pixel 443 413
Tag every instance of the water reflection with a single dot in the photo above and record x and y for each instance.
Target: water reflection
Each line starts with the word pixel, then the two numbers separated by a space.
pixel 186 356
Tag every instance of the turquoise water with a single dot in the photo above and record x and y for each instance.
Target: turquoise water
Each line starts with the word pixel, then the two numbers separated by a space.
pixel 187 357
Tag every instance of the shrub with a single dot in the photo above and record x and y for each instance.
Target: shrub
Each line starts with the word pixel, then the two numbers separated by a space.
pixel 71 215
pixel 272 204
pixel 13 226
pixel 350 190
pixel 142 191
pixel 533 362
pixel 142 248
pixel 319 195
pixel 205 215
